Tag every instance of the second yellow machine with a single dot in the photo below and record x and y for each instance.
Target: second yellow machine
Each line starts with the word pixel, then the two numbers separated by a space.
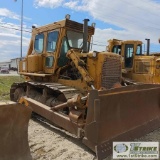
pixel 137 66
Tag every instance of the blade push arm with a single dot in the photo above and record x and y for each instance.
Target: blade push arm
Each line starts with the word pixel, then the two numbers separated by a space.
pixel 80 66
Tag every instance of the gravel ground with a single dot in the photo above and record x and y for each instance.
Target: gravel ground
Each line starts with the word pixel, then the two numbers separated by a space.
pixel 48 142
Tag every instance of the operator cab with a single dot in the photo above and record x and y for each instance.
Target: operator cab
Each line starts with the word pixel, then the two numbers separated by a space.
pixel 130 50
pixel 50 43
pixel 127 49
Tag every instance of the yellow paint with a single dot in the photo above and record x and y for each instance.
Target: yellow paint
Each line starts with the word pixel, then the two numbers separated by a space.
pixel 91 72
pixel 146 68
pixel 95 66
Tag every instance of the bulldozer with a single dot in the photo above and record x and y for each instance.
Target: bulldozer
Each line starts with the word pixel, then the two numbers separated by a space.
pixel 137 67
pixel 80 91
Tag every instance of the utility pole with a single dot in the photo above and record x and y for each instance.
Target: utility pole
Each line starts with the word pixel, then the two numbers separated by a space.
pixel 21 28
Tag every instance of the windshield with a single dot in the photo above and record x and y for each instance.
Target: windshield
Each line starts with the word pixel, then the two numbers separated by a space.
pixel 75 39
pixel 116 49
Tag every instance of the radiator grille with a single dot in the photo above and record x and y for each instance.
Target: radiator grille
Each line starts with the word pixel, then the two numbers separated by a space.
pixel 111 72
pixel 142 67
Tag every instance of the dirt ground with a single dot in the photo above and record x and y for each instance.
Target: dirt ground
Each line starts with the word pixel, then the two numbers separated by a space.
pixel 48 142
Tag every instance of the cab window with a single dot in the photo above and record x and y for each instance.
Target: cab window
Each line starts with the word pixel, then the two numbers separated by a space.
pixel 49 61
pixel 75 39
pixel 139 50
pixel 39 43
pixel 116 49
pixel 51 41
pixel 64 49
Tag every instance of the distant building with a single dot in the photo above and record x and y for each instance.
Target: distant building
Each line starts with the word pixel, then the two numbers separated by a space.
pixel 5 64
pixel 13 64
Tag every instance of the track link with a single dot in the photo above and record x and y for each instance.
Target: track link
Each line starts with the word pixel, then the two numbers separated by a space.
pixel 51 88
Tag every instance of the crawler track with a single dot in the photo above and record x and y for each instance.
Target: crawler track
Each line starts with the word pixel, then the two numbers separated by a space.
pixel 51 90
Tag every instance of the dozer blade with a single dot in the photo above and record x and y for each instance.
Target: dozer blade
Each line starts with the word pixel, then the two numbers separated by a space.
pixel 121 114
pixel 14 120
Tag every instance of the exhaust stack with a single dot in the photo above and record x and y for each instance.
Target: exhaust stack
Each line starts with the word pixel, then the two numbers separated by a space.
pixel 85 36
pixel 148 45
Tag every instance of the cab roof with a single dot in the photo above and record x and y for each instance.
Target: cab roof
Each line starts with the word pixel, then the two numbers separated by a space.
pixel 68 24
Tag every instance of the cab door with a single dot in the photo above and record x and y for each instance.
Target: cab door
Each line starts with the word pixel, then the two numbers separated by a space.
pixel 63 60
pixel 51 49
pixel 129 51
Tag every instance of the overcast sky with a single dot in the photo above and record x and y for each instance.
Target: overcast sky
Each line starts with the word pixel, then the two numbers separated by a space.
pixel 120 19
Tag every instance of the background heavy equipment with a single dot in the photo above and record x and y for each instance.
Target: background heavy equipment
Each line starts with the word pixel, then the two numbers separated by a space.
pixel 136 65
pixel 74 88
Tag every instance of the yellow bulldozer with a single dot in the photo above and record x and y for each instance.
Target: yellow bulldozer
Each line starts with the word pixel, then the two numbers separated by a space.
pixel 136 65
pixel 80 91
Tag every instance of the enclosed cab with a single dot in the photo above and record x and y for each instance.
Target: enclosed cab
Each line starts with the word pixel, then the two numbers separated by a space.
pixel 49 45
